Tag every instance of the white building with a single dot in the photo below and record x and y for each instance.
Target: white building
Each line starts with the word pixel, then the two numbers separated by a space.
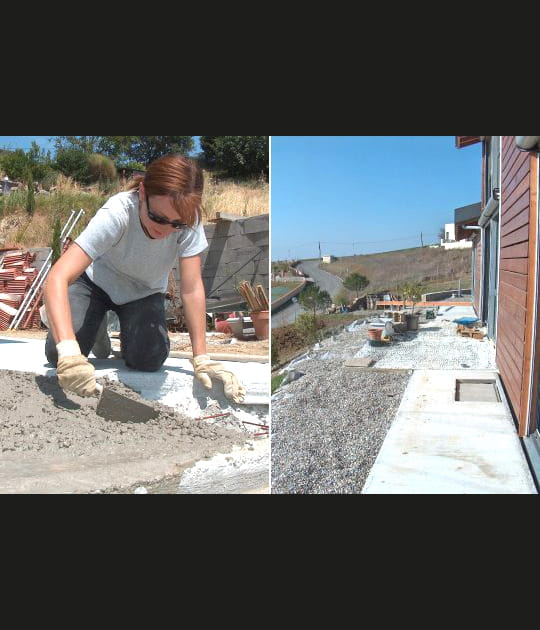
pixel 328 259
pixel 449 240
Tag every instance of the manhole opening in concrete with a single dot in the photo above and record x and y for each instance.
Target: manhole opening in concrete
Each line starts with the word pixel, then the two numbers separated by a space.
pixel 472 390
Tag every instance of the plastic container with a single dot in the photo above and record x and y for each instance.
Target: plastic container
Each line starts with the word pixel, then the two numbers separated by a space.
pixel 236 324
pixel 261 322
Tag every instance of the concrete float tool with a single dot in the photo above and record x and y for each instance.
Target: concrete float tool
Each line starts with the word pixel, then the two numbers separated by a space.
pixel 115 407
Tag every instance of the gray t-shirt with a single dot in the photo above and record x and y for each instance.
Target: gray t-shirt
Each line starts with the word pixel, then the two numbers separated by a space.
pixel 127 264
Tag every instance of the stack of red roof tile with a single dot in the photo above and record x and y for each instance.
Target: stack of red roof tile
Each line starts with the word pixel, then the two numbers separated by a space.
pixel 16 278
pixel 11 299
pixel 7 313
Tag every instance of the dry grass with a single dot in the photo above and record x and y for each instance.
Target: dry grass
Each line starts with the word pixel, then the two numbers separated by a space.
pixel 18 230
pixel 434 268
pixel 245 199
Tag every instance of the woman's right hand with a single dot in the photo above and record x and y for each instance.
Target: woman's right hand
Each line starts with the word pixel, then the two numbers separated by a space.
pixel 75 373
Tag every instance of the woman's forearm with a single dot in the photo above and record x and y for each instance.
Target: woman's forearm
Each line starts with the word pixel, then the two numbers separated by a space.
pixel 55 296
pixel 194 305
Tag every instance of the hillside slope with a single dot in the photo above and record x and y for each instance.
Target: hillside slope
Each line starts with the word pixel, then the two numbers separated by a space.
pixel 436 269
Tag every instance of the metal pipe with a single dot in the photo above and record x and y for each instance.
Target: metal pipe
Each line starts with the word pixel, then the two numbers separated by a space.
pixel 36 285
pixel 28 297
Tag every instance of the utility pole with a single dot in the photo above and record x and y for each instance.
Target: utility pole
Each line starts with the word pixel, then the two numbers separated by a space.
pixel 421 239
pixel 320 255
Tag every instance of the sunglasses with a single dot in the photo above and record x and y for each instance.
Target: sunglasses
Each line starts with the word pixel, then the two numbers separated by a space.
pixel 156 218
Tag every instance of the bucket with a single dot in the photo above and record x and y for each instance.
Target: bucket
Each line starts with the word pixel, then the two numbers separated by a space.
pixel 412 321
pixel 374 336
pixel 260 321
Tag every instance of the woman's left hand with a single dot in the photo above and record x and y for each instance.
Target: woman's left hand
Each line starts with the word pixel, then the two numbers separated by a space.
pixel 206 370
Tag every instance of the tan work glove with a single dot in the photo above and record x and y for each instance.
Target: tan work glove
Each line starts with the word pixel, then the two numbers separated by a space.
pixel 206 370
pixel 75 373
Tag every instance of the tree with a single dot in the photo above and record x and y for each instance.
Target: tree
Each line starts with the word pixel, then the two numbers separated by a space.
pixel 56 244
pixel 312 298
pixel 442 234
pixel 30 200
pixel 355 282
pixel 236 156
pixel 87 144
pixel 125 149
pixel 412 292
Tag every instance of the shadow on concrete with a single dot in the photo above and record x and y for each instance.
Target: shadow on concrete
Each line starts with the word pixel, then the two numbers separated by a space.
pixel 49 386
pixel 10 341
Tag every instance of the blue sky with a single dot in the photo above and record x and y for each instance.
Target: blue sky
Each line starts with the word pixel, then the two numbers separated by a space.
pixel 24 142
pixel 366 194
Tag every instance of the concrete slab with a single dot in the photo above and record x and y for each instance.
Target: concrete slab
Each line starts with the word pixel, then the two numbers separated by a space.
pixel 359 363
pixel 173 385
pixel 437 445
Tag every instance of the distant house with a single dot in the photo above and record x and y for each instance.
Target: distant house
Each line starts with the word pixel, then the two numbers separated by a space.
pixel 126 173
pixel 328 259
pixel 454 238
pixel 506 270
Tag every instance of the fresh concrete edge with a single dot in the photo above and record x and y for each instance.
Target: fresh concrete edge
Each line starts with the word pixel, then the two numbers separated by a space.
pixel 217 356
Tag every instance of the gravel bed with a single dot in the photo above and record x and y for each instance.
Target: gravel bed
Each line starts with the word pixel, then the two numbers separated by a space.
pixel 328 427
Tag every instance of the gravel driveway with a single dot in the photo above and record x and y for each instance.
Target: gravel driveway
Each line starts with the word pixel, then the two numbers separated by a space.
pixel 329 425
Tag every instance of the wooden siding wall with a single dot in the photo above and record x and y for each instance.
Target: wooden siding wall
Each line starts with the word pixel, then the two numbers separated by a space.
pixel 512 318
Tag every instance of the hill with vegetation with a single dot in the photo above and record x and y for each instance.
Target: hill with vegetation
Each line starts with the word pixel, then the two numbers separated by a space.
pixel 435 268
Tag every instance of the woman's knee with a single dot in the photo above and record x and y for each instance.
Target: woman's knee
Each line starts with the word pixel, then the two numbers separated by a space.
pixel 139 357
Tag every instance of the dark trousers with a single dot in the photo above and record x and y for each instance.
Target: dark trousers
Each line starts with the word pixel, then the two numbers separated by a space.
pixel 143 329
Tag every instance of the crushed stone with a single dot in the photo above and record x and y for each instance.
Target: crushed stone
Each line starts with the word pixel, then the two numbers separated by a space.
pixel 328 427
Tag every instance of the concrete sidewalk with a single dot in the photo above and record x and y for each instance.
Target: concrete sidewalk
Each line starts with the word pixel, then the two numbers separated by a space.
pixel 437 445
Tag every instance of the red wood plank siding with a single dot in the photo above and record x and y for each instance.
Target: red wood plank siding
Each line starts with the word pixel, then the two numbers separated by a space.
pixel 515 300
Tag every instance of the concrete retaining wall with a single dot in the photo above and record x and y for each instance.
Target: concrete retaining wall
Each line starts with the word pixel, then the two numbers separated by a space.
pixel 287 296
pixel 442 295
pixel 237 250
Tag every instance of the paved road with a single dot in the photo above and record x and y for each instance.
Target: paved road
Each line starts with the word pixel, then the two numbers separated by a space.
pixel 326 281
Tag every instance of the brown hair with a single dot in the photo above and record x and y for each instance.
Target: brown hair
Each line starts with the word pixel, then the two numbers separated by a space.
pixel 178 177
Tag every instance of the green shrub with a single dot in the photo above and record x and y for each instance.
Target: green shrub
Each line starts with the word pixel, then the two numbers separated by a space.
pixel 56 244
pixel 15 164
pixel 308 327
pixel 49 179
pixel 342 298
pixel 101 168
pixel 274 354
pixel 73 163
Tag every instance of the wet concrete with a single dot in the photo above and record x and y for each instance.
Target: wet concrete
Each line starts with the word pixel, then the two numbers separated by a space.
pixel 53 442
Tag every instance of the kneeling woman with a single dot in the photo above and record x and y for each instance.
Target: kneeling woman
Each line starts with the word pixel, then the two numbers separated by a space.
pixel 121 262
